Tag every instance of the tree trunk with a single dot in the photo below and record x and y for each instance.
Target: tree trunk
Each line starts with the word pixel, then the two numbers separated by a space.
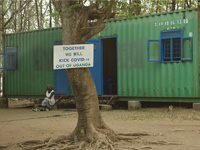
pixel 41 15
pixel 87 105
pixel 173 5
pixel 137 7
pixel 77 29
pixel 37 14
pixel 89 117
pixel 21 18
pixel 56 18
pixel 15 18
pixel 157 6
pixel 50 12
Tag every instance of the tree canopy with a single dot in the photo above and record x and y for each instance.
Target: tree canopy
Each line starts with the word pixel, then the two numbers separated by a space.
pixel 25 15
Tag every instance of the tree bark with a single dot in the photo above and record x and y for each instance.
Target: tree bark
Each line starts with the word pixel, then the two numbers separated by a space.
pixel 15 19
pixel 87 105
pixel 50 12
pixel 41 15
pixel 173 5
pixel 76 31
pixel 89 117
pixel 137 7
pixel 21 18
pixel 37 12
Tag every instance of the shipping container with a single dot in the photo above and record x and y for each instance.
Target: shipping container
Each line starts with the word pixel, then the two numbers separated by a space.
pixel 34 57
pixel 147 58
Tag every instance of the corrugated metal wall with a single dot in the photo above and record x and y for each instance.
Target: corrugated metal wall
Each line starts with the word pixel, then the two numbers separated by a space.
pixel 34 62
pixel 140 78
pixel 136 76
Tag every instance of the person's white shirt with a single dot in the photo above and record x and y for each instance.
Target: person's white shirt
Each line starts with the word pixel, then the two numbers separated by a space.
pixel 47 100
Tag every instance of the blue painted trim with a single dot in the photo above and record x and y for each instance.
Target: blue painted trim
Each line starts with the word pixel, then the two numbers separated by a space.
pixel 171 49
pixel 148 49
pixel 100 64
pixel 108 37
pixel 171 34
pixel 10 51
pixel 182 48
pixel 163 50
pixel 171 37
pixel 117 65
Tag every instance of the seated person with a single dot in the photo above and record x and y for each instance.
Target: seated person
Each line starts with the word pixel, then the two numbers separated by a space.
pixel 49 100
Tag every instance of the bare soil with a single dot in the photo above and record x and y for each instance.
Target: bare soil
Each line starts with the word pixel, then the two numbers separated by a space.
pixel 151 128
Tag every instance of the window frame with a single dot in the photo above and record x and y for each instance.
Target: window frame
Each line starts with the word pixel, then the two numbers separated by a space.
pixel 10 51
pixel 171 50
pixel 171 34
pixel 148 50
pixel 182 48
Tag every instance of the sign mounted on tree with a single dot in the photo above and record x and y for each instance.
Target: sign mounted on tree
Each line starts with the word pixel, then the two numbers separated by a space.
pixel 73 56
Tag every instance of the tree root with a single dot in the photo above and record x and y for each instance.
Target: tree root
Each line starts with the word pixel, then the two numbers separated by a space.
pixel 63 143
pixel 131 136
pixel 34 147
pixel 101 141
pixel 83 144
pixel 144 147
pixel 124 138
pixel 31 142
pixel 3 147
pixel 49 142
pixel 69 147
pixel 134 134
pixel 161 143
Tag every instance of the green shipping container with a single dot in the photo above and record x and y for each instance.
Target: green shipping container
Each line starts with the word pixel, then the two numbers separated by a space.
pixel 34 62
pixel 157 58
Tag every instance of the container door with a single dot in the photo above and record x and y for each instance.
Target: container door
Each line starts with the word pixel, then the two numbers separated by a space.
pixel 96 70
pixel 61 82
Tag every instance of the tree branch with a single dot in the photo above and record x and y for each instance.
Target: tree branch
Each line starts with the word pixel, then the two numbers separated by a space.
pixel 95 30
pixel 16 12
pixel 9 7
pixel 95 13
pixel 84 14
pixel 58 5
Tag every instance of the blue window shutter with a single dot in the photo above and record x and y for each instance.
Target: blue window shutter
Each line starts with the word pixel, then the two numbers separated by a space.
pixel 186 46
pixel 171 34
pixel 153 50
pixel 10 58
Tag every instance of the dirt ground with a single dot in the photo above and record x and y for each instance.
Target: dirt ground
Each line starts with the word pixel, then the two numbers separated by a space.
pixel 176 130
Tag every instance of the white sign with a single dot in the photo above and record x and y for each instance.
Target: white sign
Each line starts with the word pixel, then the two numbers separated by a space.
pixel 73 56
